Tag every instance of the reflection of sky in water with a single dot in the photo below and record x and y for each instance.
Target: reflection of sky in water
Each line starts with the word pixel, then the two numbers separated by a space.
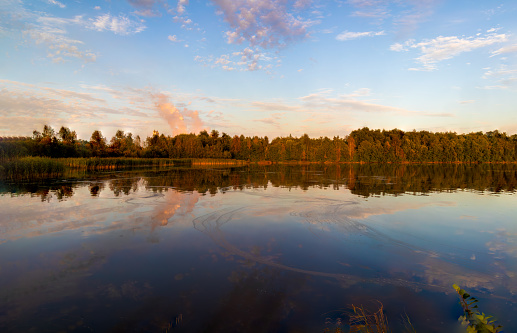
pixel 151 257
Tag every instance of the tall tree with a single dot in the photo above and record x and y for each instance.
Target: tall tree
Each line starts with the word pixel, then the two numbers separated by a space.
pixel 98 144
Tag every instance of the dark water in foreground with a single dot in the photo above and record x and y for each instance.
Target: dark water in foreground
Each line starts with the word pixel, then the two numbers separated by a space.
pixel 260 249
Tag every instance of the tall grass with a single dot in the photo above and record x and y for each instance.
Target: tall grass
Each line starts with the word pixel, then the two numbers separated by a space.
pixel 364 321
pixel 98 163
pixel 215 161
pixel 115 163
pixel 28 168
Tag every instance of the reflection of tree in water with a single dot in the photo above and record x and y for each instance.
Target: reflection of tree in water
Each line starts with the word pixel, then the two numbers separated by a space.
pixel 44 190
pixel 96 188
pixel 361 179
pixel 124 185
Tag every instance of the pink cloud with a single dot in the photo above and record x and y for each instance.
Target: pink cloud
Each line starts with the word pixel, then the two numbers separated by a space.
pixel 264 23
pixel 180 120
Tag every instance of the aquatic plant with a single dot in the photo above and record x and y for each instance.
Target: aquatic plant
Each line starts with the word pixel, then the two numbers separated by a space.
pixel 28 168
pixel 475 321
pixel 216 161
pixel 368 322
pixel 106 163
pixel 365 321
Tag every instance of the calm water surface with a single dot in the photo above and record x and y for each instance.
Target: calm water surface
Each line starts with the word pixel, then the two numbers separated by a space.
pixel 265 249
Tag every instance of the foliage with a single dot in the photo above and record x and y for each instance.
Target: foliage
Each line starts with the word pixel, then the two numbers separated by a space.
pixel 361 145
pixel 475 321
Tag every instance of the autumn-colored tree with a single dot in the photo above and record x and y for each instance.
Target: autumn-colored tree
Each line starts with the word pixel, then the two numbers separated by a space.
pixel 98 146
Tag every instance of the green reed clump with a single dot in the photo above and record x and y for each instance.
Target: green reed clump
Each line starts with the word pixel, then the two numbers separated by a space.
pixel 217 161
pixel 107 163
pixel 28 168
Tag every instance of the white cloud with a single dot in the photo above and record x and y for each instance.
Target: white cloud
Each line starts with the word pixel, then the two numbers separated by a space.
pixel 328 102
pixel 74 95
pixel 174 39
pixel 274 120
pixel 397 47
pixel 345 103
pixel 263 23
pixel 22 104
pixel 300 4
pixel 145 7
pixel 48 31
pixel 25 105
pixel 60 47
pixel 377 9
pixel 406 15
pixel 378 13
pixel 120 25
pixel 364 3
pixel 249 59
pixel 180 8
pixel 57 3
pixel 443 48
pixel 348 35
pixel 504 77
pixel 59 23
pixel 505 49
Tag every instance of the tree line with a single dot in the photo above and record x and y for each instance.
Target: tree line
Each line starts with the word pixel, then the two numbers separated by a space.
pixel 361 145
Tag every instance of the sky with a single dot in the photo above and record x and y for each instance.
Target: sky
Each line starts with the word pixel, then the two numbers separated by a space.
pixel 257 67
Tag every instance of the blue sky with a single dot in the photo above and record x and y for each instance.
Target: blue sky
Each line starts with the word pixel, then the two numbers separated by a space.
pixel 257 67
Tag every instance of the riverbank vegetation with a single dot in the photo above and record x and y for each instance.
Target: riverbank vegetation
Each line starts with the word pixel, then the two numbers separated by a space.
pixel 33 168
pixel 362 145
pixel 363 320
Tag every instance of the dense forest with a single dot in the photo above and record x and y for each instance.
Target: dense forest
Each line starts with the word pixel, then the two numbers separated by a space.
pixel 362 145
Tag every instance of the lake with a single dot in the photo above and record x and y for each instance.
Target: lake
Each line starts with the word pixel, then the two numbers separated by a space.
pixel 280 248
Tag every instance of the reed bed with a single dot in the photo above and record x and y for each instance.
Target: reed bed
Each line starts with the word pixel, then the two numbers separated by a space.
pixel 115 163
pixel 28 168
pixel 215 161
